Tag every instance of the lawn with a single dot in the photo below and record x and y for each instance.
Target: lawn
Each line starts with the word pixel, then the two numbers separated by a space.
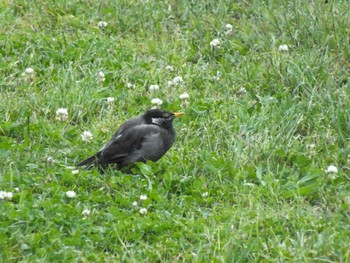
pixel 259 172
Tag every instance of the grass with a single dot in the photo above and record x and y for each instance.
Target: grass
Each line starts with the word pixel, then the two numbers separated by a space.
pixel 245 180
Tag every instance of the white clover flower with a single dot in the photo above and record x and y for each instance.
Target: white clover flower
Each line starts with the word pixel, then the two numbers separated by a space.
pixel 215 43
pixel 86 212
pixel 217 76
pixel 102 24
pixel 184 96
pixel 205 194
pixel 101 77
pixel 62 111
pixel 143 197
pixel 50 159
pixel 5 195
pixel 86 136
pixel 130 85
pixel 153 87
pixel 110 99
pixel 177 80
pixel 229 27
pixel 311 146
pixel 134 203
pixel 156 101
pixel 143 211
pixel 62 114
pixel 75 171
pixel 9 195
pixel 169 68
pixel 170 83
pixel 29 72
pixel 332 169
pixel 16 189
pixel 242 91
pixel 283 48
pixel 71 194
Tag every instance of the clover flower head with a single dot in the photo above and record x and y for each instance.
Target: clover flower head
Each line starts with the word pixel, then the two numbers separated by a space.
pixel 110 99
pixel 5 195
pixel 29 74
pixel 62 114
pixel 215 43
pixel 143 197
pixel 71 194
pixel 86 136
pixel 169 68
pixel 102 24
pixel 184 96
pixel 29 71
pixel 86 212
pixel 130 85
pixel 242 91
pixel 283 48
pixel 153 87
pixel 143 211
pixel 205 194
pixel 332 169
pixel 178 80
pixel 50 159
pixel 101 77
pixel 156 101
pixel 228 27
pixel 217 76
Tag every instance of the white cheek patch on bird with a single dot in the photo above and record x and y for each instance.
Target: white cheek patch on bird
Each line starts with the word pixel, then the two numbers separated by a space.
pixel 157 121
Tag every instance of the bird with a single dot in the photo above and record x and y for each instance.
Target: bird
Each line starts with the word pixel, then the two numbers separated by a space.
pixel 146 137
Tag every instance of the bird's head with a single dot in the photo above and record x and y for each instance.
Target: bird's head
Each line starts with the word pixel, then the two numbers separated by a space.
pixel 160 117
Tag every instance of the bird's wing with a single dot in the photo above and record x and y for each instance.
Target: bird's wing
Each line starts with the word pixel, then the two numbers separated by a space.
pixel 129 141
pixel 129 124
pixel 126 126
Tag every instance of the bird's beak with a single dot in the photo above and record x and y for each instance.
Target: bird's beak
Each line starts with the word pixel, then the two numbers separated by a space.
pixel 178 114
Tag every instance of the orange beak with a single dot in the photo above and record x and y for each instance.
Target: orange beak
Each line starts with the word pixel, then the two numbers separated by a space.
pixel 178 114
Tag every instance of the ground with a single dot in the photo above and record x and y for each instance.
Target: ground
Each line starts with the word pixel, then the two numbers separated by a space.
pixel 259 171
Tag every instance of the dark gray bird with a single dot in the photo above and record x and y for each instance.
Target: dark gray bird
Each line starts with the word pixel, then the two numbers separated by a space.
pixel 146 137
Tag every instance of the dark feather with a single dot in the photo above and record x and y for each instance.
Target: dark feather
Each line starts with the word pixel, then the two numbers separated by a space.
pixel 92 160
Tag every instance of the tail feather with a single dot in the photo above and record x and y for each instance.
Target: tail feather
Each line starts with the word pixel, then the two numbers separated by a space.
pixel 91 161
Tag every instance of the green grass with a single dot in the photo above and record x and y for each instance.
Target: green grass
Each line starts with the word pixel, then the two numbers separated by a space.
pixel 245 180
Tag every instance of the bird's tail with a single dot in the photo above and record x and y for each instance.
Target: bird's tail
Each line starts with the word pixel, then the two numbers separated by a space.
pixel 91 161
